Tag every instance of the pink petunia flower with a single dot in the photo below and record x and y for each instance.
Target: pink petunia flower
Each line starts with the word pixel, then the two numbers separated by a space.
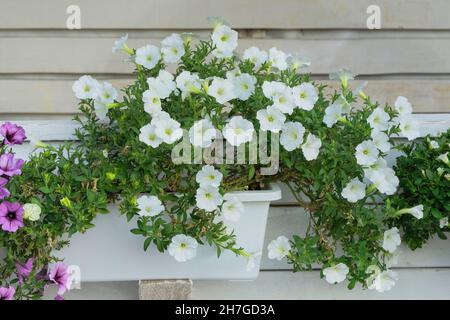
pixel 12 133
pixel 11 216
pixel 7 293
pixel 9 166
pixel 24 269
pixel 60 276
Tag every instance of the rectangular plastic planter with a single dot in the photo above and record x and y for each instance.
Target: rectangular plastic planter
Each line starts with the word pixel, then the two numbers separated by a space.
pixel 110 252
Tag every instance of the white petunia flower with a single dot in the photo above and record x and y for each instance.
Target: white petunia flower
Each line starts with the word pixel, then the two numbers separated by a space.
pixel 345 105
pixel 31 211
pixel 343 76
pixel 336 274
pixel 202 133
pixel 159 117
pixel 222 90
pixel 148 136
pixel 384 180
pixel 273 88
pixel 107 93
pixel 233 74
pixel 443 222
pixel 383 281
pixel 163 85
pixel 256 56
pixel 208 198
pixel 217 22
pixel 101 110
pixel 284 101
pixel 292 135
pixel 183 248
pixel 296 61
pixel 444 158
pixel 188 82
pixel 381 141
pixel 311 147
pixel 379 120
pixel 168 130
pixel 238 130
pixel 434 144
pixel 172 48
pixel 209 176
pixel 244 86
pixel 358 91
pixel 354 191
pixel 373 169
pixel 416 211
pixel 409 127
pixel 222 53
pixel 391 259
pixel 271 119
pixel 148 56
pixel 232 208
pixel 391 240
pixel 86 88
pixel 279 248
pixel 278 59
pixel 305 96
pixel 149 206
pixel 252 260
pixel 332 114
pixel 225 39
pixel 403 106
pixel 152 103
pixel 120 44
pixel 366 153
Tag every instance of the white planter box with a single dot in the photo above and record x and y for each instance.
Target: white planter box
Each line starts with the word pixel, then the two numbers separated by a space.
pixel 110 252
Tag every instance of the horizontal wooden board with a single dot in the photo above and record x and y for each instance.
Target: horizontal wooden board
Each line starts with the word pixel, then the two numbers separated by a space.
pixel 261 14
pixel 56 96
pixel 78 55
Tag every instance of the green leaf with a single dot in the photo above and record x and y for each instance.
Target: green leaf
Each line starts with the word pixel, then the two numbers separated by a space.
pixel 251 172
pixel 45 190
pixel 436 213
pixel 147 243
pixel 91 195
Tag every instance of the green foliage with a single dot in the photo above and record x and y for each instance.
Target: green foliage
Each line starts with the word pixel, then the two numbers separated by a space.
pixel 424 179
pixel 50 176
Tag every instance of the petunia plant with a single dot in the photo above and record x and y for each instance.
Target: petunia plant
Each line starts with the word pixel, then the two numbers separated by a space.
pixel 424 173
pixel 43 202
pixel 330 146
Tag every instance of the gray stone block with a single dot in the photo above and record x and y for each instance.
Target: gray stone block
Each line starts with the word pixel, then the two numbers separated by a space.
pixel 165 289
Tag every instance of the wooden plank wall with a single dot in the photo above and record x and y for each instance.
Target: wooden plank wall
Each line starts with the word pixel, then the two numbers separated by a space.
pixel 40 58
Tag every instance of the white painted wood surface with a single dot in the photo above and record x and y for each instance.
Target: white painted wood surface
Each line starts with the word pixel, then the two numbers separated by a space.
pixel 55 54
pixel 256 14
pixel 44 96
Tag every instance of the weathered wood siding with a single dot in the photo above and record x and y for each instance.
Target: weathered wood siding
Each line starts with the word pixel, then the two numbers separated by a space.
pixel 410 56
